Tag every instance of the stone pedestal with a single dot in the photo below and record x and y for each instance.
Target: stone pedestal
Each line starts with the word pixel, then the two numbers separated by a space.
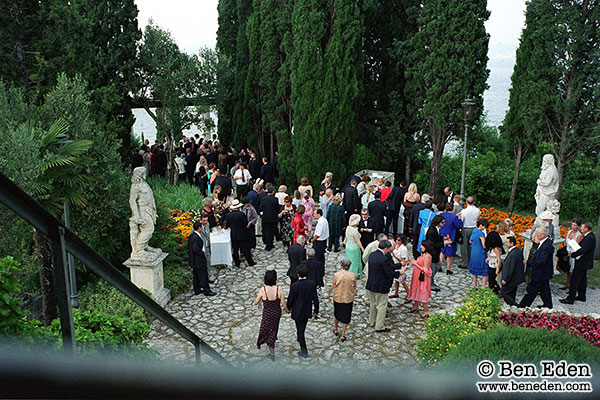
pixel 529 244
pixel 148 274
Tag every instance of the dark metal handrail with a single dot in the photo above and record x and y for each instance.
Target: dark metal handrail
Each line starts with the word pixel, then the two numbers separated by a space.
pixel 62 240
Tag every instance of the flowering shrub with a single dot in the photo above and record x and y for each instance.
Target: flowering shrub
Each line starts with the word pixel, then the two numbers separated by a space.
pixel 521 222
pixel 586 327
pixel 445 331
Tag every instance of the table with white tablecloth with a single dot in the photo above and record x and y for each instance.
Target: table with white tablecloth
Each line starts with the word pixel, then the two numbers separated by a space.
pixel 220 248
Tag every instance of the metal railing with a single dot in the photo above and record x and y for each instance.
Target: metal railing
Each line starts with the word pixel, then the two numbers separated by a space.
pixel 62 240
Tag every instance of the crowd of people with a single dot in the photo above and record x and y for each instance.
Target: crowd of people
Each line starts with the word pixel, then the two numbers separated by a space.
pixel 376 222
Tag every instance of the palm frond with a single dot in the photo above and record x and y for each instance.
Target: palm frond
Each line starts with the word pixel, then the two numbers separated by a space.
pixel 74 148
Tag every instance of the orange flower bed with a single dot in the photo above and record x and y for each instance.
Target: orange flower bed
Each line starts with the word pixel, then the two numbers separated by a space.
pixel 521 222
pixel 182 223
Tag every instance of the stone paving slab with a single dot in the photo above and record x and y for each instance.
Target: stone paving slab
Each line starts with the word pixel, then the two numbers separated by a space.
pixel 229 322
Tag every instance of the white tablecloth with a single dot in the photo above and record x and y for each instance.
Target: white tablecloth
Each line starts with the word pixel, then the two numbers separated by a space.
pixel 220 248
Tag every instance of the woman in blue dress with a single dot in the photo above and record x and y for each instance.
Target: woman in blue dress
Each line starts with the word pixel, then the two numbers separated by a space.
pixel 451 226
pixel 477 264
pixel 425 218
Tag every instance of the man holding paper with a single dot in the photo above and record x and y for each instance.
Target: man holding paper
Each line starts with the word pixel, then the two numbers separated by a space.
pixel 584 260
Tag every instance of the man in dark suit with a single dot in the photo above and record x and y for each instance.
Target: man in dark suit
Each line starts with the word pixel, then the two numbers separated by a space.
pixel 414 224
pixel 448 195
pixel 296 254
pixel 254 166
pixel 394 202
pixel 366 228
pixel 379 282
pixel 237 222
pixel 316 269
pixel 351 201
pixel 303 294
pixel 137 160
pixel 269 208
pixel 584 260
pixel 267 171
pixel 433 235
pixel 513 272
pixel 190 165
pixel 377 212
pixel 542 267
pixel 197 261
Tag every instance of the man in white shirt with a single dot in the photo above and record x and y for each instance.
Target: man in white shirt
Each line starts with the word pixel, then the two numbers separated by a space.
pixel 469 217
pixel 319 240
pixel 242 178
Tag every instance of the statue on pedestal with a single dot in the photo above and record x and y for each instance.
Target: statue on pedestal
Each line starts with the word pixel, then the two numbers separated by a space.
pixel 141 223
pixel 547 184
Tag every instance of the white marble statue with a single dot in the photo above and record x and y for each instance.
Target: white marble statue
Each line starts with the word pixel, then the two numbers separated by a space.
pixel 141 223
pixel 547 184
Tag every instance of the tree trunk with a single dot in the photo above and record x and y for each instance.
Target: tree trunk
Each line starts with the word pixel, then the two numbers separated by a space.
pixel 171 167
pixel 438 141
pixel 407 166
pixel 513 191
pixel 46 273
pixel 560 166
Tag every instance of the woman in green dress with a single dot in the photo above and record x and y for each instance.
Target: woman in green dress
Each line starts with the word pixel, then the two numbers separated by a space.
pixel 354 248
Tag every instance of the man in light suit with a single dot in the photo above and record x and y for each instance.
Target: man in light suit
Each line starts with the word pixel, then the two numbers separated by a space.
pixel 303 294
pixel 542 267
pixel 584 260
pixel 381 277
pixel 197 261
pixel 513 273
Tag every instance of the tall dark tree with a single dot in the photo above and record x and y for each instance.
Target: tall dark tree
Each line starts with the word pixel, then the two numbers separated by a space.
pixel 560 48
pixel 268 80
pixel 19 20
pixel 326 76
pixel 387 125
pixel 448 57
pixel 226 49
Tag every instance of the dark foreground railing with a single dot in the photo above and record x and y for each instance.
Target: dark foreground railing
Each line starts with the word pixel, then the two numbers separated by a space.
pixel 62 240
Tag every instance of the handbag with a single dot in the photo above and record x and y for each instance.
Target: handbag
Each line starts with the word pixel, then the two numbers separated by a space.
pixel 459 237
pixel 421 277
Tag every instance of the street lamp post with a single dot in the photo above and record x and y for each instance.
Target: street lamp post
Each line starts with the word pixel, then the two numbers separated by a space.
pixel 468 106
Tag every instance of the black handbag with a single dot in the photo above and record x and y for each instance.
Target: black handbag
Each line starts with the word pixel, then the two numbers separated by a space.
pixel 459 237
pixel 422 277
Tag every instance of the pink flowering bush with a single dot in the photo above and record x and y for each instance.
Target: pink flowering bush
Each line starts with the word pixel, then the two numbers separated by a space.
pixel 585 327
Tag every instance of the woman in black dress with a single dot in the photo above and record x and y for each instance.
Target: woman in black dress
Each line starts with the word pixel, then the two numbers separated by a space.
pixel 272 299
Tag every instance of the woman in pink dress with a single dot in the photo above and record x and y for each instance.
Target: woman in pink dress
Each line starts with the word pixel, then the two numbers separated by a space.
pixel 308 204
pixel 420 283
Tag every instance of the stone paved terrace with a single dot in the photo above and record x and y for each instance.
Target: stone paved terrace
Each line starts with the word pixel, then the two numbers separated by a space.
pixel 229 322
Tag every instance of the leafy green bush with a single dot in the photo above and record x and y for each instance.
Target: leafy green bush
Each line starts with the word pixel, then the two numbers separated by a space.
pixel 97 332
pixel 183 197
pixel 12 316
pixel 102 297
pixel 520 345
pixel 445 331
pixel 177 279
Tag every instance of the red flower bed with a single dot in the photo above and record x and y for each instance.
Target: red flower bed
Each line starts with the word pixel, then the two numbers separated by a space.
pixel 586 327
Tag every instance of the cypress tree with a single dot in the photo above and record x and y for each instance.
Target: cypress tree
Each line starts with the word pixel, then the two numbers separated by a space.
pixel 226 45
pixel 558 93
pixel 326 76
pixel 447 59
pixel 388 125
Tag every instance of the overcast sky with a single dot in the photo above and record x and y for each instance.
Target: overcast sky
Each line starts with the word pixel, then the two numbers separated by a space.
pixel 193 24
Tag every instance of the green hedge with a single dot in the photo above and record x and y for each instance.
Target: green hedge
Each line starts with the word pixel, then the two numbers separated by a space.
pixel 102 297
pixel 520 345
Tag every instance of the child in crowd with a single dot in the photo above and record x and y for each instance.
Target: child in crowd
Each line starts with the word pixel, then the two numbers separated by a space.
pixel 297 198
